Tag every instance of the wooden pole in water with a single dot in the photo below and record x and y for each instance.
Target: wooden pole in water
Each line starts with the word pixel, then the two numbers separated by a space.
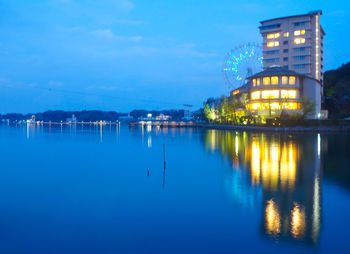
pixel 164 154
pixel 164 165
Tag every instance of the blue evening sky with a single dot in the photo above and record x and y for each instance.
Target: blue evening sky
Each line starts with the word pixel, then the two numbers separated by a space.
pixel 126 54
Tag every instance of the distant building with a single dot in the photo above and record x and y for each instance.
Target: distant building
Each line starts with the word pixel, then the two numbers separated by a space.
pixel 72 119
pixel 187 112
pixel 127 118
pixel 31 120
pixel 151 118
pixel 163 117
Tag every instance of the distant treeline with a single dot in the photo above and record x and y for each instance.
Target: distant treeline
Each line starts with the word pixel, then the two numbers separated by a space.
pixel 89 115
pixel 337 92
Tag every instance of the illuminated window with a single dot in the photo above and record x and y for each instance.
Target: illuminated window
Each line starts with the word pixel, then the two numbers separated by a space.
pixel 274 80
pixel 288 94
pixel 284 80
pixel 255 106
pixel 290 105
pixel 258 82
pixel 299 32
pixel 275 105
pixel 255 95
pixel 286 34
pixel 292 80
pixel 266 80
pixel 273 44
pixel 273 36
pixel 264 106
pixel 299 40
pixel 270 94
pixel 254 82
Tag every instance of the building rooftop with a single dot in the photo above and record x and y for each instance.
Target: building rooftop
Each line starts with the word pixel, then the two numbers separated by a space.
pixel 310 13
pixel 276 71
pixel 243 88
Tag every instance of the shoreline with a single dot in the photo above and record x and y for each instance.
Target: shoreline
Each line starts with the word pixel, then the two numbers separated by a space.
pixel 293 129
pixel 279 129
pixel 298 129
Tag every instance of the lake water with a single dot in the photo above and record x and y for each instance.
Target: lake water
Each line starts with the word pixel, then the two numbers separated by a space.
pixel 104 189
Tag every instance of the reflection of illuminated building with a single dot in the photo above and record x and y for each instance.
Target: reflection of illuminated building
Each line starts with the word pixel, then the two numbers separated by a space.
pixel 238 187
pixel 273 163
pixel 286 169
pixel 273 219
pixel 297 191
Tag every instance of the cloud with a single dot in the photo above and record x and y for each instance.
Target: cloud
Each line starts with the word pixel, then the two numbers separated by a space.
pixel 109 88
pixel 105 33
pixel 87 6
pixel 254 7
pixel 126 5
pixel 108 34
pixel 55 83
pixel 190 49
pixel 129 38
pixel 63 1
pixel 130 22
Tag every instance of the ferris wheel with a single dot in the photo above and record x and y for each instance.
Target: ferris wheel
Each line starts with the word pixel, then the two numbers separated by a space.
pixel 240 63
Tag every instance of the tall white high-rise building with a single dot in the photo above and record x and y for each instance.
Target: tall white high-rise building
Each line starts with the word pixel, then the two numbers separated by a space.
pixel 295 43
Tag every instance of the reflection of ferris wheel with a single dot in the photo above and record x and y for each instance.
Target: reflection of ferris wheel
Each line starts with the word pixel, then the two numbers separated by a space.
pixel 240 63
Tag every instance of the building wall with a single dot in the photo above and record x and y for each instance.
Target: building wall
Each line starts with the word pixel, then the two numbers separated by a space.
pixel 312 89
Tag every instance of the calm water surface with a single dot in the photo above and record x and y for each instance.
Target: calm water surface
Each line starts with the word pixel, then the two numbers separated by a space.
pixel 95 189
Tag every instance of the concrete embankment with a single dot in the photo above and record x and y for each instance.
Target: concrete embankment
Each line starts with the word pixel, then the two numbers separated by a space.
pixel 277 129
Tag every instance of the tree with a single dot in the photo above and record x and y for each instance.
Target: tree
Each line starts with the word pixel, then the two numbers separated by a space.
pixel 282 105
pixel 223 109
pixel 207 112
pixel 307 107
pixel 213 115
pixel 337 91
pixel 233 104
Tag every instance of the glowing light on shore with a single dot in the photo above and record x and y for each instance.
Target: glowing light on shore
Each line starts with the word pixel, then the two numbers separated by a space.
pixel 236 145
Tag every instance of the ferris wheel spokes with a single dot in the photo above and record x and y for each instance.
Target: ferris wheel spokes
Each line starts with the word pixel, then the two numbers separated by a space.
pixel 240 63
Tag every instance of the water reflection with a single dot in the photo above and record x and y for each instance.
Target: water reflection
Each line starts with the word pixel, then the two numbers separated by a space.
pixel 285 169
pixel 273 219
